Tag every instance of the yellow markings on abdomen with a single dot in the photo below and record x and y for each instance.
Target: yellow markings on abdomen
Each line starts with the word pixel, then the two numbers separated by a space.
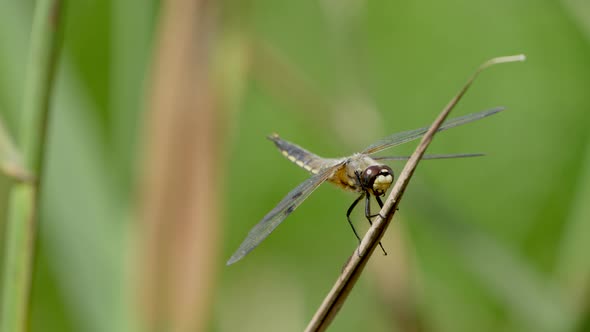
pixel 311 169
pixel 299 163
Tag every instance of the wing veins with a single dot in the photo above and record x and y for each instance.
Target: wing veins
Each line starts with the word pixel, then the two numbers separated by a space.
pixel 433 156
pixel 281 211
pixel 410 135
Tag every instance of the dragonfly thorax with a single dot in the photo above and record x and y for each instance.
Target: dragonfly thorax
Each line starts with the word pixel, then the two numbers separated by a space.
pixel 376 179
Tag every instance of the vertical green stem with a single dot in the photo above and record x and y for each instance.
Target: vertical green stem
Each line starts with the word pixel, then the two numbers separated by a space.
pixel 19 257
pixel 24 197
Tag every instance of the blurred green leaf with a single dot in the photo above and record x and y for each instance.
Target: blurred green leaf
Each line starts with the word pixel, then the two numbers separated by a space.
pixel 531 298
pixel 573 266
pixel 384 66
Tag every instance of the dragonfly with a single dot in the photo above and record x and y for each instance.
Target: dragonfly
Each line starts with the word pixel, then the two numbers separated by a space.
pixel 362 172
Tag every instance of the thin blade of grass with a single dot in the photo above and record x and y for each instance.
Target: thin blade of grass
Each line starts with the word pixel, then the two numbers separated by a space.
pixel 84 222
pixel 24 200
pixel 351 272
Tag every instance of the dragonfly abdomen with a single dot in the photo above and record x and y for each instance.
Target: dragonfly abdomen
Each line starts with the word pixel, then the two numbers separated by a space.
pixel 298 155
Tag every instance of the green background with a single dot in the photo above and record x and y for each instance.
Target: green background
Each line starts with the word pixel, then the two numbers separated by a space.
pixel 498 243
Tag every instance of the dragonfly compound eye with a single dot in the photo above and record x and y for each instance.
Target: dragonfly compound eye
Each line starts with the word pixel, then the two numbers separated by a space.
pixel 377 178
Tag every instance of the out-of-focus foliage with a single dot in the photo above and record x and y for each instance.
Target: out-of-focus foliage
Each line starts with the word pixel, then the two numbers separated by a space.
pixel 493 243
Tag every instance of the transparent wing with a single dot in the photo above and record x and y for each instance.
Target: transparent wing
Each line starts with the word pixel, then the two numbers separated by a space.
pixel 280 212
pixel 433 156
pixel 410 135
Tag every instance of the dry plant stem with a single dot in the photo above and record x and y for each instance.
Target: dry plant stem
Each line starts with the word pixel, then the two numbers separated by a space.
pixel 359 258
pixel 180 196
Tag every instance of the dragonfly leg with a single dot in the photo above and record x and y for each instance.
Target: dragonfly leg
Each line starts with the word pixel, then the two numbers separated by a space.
pixel 352 206
pixel 381 205
pixel 369 216
pixel 380 202
pixel 378 199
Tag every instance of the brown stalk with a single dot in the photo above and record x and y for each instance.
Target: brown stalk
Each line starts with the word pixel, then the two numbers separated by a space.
pixel 359 258
pixel 180 218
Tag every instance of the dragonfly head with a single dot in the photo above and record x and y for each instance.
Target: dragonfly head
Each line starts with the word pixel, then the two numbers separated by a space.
pixel 377 179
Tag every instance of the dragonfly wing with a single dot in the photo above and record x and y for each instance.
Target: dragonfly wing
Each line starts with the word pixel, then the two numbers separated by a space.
pixel 410 135
pixel 280 212
pixel 433 156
